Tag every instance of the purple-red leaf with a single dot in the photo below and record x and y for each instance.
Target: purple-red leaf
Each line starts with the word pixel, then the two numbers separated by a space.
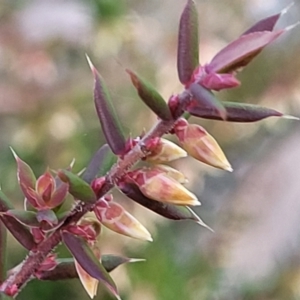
pixel 205 98
pixel 236 112
pixel 88 261
pixel 27 218
pixel 110 262
pixel 241 51
pixel 150 96
pixel 19 231
pixel 188 43
pixel 109 121
pixel 100 164
pixel 26 177
pixel 268 23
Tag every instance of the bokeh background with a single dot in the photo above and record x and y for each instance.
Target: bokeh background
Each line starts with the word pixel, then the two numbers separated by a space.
pixel 47 115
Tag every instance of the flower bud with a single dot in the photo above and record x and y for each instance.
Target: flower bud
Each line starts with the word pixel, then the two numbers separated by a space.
pixel 156 185
pixel 165 151
pixel 116 218
pixel 201 145
pixel 171 172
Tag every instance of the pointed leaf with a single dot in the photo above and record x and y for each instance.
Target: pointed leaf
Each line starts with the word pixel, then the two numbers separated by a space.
pixel 88 261
pixel 188 43
pixel 241 51
pixel 110 124
pixel 65 268
pixel 110 262
pixel 26 177
pixel 19 231
pixel 236 112
pixel 268 23
pixel 5 203
pixel 150 96
pixel 205 98
pixel 100 164
pixel 27 218
pixel 78 188
pixel 166 210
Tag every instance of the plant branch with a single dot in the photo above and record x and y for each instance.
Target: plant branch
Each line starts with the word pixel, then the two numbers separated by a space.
pixel 16 281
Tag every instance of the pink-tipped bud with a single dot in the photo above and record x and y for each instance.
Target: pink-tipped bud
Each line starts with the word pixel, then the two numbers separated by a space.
pixel 156 185
pixel 165 151
pixel 116 218
pixel 201 145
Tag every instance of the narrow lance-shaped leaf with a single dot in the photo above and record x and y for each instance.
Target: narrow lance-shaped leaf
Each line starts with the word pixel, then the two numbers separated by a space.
pixel 65 268
pixel 88 261
pixel 188 43
pixel 100 164
pixel 19 231
pixel 205 98
pixel 109 121
pixel 78 188
pixel 268 23
pixel 150 96
pixel 110 262
pixel 241 51
pixel 236 112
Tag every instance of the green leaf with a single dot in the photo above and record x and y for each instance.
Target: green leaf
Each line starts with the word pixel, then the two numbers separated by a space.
pixel 110 124
pixel 100 164
pixel 188 43
pixel 78 188
pixel 27 218
pixel 88 261
pixel 150 96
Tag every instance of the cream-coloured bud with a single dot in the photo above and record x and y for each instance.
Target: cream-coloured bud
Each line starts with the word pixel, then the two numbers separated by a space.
pixel 163 188
pixel 166 151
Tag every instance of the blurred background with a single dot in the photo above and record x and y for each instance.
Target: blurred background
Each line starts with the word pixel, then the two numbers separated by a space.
pixel 47 115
